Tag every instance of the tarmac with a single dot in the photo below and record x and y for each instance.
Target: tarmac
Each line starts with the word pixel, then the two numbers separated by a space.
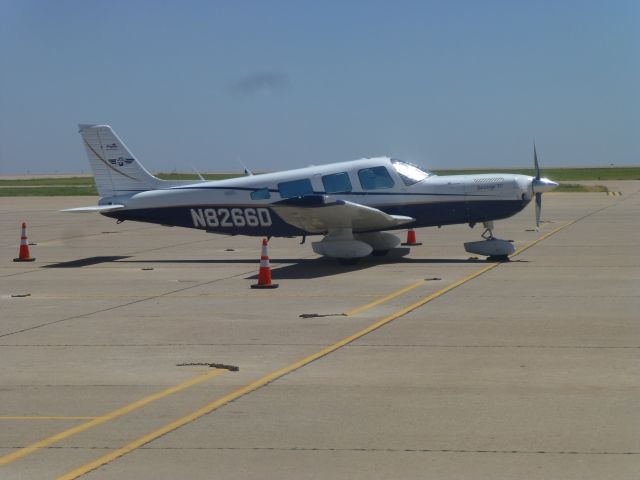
pixel 139 351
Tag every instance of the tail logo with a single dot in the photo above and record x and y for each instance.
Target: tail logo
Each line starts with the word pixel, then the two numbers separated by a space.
pixel 120 161
pixel 113 161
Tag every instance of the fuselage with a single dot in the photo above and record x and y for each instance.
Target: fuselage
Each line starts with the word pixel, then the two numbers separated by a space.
pixel 242 205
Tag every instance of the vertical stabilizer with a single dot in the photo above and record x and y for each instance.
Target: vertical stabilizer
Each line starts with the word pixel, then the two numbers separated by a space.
pixel 116 171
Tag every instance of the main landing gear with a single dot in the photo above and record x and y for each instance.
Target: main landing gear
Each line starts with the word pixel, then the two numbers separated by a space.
pixel 348 248
pixel 495 249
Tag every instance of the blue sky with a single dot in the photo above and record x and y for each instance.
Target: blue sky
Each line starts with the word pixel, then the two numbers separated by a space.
pixel 275 85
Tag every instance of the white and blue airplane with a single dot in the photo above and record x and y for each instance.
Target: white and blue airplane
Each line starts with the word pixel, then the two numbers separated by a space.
pixel 351 204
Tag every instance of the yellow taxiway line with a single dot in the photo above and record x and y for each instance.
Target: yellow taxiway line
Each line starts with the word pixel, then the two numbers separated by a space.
pixel 24 451
pixel 261 382
pixel 539 239
pixel 210 407
pixel 419 283
pixel 384 299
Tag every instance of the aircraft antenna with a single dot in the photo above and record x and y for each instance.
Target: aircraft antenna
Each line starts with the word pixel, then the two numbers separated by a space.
pixel 197 173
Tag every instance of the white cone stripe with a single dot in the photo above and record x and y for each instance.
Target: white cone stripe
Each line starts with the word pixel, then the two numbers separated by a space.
pixel 264 263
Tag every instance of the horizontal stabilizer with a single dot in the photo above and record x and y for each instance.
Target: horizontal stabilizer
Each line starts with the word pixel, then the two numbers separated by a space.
pixel 93 209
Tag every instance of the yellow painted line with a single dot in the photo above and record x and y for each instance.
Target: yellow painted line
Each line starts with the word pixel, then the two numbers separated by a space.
pixel 386 298
pixel 137 443
pixel 538 240
pixel 43 417
pixel 24 451
pixel 408 288
pixel 271 377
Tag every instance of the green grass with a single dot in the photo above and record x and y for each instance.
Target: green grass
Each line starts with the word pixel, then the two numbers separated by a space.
pixel 48 191
pixel 561 174
pixel 57 181
pixel 69 186
pixel 76 186
pixel 576 188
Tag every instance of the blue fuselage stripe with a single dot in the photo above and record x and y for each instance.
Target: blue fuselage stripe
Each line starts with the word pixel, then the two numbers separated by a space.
pixel 426 214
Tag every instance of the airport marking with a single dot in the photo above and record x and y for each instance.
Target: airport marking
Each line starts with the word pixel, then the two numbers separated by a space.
pixel 24 451
pixel 543 237
pixel 273 376
pixel 419 283
pixel 261 382
pixel 384 299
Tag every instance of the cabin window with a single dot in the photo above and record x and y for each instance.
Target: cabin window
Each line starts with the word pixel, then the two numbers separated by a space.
pixel 262 194
pixel 408 172
pixel 336 183
pixel 374 178
pixel 295 188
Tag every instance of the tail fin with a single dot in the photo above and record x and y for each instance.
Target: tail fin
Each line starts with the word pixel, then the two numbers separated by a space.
pixel 115 170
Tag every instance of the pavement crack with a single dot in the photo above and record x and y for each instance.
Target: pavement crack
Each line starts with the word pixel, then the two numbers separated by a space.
pixel 352 449
pixel 231 368
pixel 134 302
pixel 263 344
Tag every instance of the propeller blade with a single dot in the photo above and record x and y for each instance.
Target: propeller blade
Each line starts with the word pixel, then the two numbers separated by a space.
pixel 538 209
pixel 535 162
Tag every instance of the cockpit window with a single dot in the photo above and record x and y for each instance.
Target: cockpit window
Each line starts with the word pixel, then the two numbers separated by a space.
pixel 374 178
pixel 336 183
pixel 409 173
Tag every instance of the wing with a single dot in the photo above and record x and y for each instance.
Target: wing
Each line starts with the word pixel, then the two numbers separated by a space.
pixel 321 214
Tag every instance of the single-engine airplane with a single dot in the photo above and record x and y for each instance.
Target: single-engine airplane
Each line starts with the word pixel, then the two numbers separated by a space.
pixel 351 204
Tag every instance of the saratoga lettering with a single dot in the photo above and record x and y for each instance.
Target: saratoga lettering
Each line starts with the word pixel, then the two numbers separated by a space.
pixel 234 217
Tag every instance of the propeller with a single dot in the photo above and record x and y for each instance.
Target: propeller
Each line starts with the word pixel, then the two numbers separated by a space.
pixel 536 179
pixel 538 186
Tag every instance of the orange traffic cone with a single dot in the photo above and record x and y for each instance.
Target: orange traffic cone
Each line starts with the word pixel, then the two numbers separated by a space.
pixel 411 239
pixel 264 276
pixel 24 247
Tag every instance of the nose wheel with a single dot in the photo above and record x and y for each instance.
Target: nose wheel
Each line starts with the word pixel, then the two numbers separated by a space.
pixel 495 249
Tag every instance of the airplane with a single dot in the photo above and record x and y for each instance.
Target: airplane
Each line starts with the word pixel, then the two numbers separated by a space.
pixel 353 204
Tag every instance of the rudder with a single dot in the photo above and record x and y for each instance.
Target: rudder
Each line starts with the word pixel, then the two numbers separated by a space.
pixel 115 170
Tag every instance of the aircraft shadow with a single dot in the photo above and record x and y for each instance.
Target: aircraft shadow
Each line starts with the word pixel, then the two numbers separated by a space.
pixel 297 268
pixel 324 267
pixel 85 262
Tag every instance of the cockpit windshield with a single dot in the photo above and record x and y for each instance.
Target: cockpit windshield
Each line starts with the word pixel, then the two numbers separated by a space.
pixel 408 172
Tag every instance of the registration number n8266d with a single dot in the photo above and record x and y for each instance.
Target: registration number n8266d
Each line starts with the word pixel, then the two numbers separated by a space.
pixel 231 217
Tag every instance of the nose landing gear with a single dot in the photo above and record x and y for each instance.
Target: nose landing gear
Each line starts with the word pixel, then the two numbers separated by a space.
pixel 495 249
pixel 488 230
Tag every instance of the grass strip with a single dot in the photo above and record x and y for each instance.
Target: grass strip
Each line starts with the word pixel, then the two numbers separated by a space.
pixel 577 188
pixel 48 191
pixel 561 174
